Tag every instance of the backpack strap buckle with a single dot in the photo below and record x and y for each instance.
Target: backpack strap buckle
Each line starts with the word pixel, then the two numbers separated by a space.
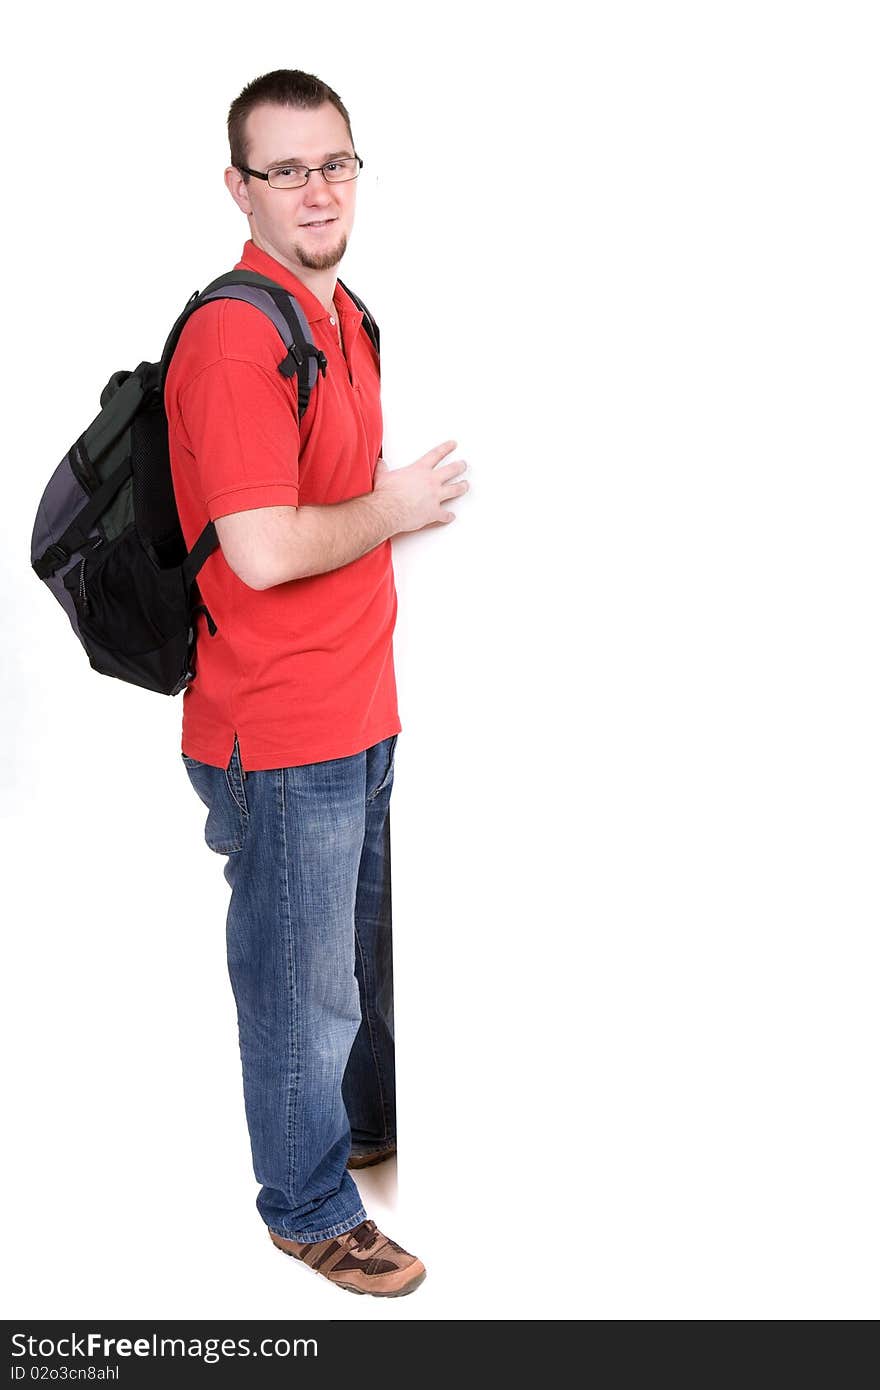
pixel 51 560
pixel 296 360
pixel 291 364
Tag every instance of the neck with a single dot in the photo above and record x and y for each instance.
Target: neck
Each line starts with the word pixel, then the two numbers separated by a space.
pixel 322 283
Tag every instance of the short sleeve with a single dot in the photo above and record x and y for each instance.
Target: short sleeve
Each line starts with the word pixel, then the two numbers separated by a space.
pixel 239 423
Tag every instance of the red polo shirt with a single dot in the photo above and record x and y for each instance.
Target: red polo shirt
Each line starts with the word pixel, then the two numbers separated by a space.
pixel 304 671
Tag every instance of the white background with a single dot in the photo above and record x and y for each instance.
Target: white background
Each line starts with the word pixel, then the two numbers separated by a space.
pixel 632 268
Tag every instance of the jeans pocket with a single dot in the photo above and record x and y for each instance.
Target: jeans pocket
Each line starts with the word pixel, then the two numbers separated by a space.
pixel 388 778
pixel 222 791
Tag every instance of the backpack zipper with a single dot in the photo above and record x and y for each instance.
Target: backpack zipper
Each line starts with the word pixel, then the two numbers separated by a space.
pixel 83 596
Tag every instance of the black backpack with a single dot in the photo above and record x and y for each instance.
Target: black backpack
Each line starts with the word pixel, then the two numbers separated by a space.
pixel 107 538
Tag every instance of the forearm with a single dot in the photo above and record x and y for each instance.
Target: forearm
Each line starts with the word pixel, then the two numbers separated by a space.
pixel 323 538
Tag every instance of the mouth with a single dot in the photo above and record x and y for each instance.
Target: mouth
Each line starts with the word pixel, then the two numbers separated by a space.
pixel 318 226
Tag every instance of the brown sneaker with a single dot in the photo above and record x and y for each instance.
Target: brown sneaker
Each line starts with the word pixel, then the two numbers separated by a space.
pixel 367 1159
pixel 362 1260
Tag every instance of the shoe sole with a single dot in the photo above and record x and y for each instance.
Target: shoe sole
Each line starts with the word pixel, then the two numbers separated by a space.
pixel 351 1288
pixel 368 1160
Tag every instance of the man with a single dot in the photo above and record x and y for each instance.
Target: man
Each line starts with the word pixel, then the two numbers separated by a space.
pixel 291 725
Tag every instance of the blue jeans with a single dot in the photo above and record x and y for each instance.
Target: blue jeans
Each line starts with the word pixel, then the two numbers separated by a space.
pixel 308 939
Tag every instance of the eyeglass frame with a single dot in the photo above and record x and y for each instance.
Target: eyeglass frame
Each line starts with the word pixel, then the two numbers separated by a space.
pixel 319 168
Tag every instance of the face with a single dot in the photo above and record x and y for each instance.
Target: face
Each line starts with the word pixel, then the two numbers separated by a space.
pixel 277 217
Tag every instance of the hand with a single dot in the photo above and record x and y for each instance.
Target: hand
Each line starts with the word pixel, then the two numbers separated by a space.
pixel 417 495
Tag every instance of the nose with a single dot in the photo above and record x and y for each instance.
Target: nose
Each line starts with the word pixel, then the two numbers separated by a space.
pixel 317 189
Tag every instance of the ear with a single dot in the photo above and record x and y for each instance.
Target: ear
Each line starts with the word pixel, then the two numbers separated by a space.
pixel 238 188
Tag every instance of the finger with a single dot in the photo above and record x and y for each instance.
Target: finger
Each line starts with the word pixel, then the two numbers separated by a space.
pixel 453 490
pixel 440 451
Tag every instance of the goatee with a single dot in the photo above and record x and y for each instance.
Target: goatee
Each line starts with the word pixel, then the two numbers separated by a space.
pixel 322 260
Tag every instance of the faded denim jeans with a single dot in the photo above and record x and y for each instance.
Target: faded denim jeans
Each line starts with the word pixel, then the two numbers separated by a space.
pixel 308 939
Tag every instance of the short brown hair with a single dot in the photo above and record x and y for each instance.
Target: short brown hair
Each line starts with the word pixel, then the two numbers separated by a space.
pixel 283 87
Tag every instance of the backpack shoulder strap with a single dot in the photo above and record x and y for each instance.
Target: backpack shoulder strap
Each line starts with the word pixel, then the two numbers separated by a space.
pixel 370 323
pixel 303 359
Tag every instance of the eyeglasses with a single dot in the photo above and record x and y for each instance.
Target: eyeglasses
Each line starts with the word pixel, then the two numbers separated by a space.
pixel 297 175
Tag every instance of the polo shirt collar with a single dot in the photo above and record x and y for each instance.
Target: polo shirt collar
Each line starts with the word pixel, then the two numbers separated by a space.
pixel 253 257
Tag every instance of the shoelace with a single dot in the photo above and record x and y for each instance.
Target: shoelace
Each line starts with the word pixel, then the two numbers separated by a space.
pixel 364 1236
